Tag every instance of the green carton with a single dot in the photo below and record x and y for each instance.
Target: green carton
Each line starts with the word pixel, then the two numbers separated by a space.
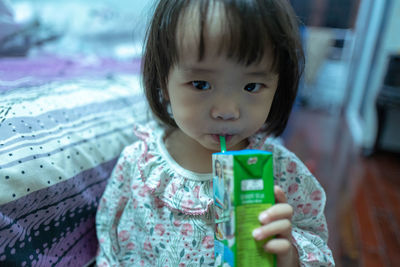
pixel 243 187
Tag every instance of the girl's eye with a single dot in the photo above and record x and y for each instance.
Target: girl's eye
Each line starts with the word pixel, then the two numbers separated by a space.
pixel 253 87
pixel 201 85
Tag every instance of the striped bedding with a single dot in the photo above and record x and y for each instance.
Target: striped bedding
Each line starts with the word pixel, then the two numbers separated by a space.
pixel 59 142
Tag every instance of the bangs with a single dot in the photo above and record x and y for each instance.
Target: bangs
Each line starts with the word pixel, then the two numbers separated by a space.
pixel 240 37
pixel 239 31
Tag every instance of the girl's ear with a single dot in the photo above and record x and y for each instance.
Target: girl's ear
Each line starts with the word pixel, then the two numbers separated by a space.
pixel 164 94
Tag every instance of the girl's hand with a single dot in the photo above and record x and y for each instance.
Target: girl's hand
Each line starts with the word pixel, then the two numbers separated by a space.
pixel 277 221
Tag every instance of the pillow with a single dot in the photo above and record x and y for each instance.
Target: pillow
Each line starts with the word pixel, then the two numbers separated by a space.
pixel 58 145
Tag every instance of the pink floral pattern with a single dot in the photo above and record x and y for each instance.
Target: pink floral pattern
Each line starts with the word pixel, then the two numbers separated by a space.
pixel 154 214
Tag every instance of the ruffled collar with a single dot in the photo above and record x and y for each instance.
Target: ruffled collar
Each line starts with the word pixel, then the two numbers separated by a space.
pixel 173 186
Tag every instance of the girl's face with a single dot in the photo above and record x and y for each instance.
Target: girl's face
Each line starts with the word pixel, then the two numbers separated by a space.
pixel 217 95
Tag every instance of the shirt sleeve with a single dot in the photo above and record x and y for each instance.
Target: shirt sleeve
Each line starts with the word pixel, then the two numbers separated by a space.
pixel 310 232
pixel 110 209
pixel 307 197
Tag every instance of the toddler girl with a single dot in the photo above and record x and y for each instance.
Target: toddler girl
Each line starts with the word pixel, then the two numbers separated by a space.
pixel 211 68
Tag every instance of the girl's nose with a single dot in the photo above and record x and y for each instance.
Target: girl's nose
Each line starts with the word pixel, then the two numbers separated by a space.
pixel 225 110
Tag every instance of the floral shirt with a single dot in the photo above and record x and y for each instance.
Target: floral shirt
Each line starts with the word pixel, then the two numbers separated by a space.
pixel 156 213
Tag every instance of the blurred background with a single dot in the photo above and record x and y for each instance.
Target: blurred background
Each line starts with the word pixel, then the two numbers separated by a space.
pixel 345 125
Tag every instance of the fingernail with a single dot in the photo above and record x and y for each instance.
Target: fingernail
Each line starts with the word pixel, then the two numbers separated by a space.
pixel 257 233
pixel 263 216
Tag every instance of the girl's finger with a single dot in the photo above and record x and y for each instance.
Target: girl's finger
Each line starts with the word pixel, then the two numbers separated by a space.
pixel 282 228
pixel 278 246
pixel 276 212
pixel 279 195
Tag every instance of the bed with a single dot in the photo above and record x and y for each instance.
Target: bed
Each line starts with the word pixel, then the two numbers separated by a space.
pixel 64 119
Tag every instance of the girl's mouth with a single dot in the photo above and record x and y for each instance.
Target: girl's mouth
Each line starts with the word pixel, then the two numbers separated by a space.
pixel 215 137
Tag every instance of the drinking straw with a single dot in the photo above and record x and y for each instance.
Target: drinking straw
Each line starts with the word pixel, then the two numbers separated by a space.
pixel 223 143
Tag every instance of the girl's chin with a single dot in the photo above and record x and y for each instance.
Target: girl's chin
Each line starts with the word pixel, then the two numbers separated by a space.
pixel 212 148
pixel 239 146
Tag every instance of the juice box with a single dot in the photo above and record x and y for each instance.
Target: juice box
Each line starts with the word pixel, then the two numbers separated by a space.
pixel 243 187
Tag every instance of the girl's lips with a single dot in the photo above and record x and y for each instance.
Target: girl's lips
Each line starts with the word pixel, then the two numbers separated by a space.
pixel 215 137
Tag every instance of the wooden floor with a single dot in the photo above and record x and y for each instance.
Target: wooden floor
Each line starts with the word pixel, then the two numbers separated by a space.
pixel 363 194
